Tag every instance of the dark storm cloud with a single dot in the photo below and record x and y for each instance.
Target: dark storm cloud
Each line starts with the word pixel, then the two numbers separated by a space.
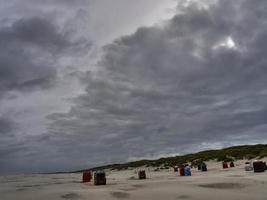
pixel 6 126
pixel 29 52
pixel 38 32
pixel 34 51
pixel 195 81
pixel 26 54
pixel 174 88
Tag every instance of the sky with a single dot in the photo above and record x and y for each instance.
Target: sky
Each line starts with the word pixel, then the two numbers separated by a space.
pixel 91 82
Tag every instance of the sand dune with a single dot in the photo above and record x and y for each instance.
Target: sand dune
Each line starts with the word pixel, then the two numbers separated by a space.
pixel 217 183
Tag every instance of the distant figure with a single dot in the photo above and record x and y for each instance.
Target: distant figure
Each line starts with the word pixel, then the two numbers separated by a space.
pixel 175 168
pixel 87 176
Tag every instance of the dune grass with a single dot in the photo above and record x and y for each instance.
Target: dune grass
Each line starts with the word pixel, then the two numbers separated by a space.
pixel 227 154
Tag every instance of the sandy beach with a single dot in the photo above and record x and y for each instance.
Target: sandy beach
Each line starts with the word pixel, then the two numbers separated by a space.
pixel 217 183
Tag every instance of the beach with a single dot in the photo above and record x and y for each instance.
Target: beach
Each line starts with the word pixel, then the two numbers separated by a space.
pixel 217 183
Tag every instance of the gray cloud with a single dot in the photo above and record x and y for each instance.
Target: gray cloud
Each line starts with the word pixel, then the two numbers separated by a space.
pixel 27 58
pixel 196 81
pixel 35 50
pixel 31 50
pixel 6 126
pixel 175 88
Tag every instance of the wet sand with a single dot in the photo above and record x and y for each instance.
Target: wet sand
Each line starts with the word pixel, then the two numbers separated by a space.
pixel 217 183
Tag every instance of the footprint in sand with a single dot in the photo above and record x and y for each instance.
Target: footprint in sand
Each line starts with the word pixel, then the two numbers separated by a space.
pixel 120 195
pixel 223 185
pixel 70 196
pixel 184 197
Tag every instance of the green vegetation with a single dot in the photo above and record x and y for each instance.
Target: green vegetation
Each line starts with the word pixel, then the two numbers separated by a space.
pixel 227 154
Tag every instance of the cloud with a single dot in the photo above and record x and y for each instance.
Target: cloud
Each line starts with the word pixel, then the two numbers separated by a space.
pixel 195 81
pixel 31 51
pixel 37 56
pixel 167 89
pixel 6 126
pixel 27 54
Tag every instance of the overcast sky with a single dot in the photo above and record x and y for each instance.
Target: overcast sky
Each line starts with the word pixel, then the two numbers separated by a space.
pixel 91 82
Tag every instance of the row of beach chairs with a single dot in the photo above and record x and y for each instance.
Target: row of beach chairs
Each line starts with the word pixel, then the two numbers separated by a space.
pixel 184 170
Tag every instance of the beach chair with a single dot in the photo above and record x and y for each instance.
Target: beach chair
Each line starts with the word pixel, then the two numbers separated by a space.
pixel 204 167
pixel 259 166
pixel 181 170
pixel 225 165
pixel 187 171
pixel 86 177
pixel 142 174
pixel 100 178
pixel 248 166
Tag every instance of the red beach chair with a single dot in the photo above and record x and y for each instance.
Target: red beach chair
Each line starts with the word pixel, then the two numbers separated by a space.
pixel 225 165
pixel 87 176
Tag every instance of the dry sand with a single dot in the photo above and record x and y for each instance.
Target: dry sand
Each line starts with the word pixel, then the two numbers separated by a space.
pixel 217 183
